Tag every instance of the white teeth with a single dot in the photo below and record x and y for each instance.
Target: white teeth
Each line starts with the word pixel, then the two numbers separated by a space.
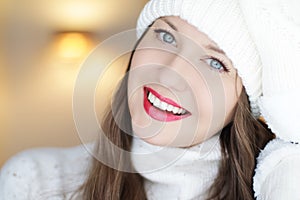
pixel 156 102
pixel 170 108
pixel 151 97
pixel 180 110
pixel 175 110
pixel 164 106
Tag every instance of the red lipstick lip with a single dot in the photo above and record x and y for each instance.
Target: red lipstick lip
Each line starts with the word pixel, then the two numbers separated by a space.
pixel 159 114
pixel 167 100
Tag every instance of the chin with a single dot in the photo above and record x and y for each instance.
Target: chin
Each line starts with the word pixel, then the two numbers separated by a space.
pixel 157 141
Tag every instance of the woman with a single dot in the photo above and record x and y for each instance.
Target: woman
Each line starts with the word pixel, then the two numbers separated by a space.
pixel 190 93
pixel 192 49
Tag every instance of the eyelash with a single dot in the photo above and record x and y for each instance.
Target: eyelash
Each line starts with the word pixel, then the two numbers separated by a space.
pixel 223 62
pixel 158 31
pixel 226 69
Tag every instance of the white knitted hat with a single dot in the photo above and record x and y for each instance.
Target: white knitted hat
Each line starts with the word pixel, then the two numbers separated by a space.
pixel 275 25
pixel 223 22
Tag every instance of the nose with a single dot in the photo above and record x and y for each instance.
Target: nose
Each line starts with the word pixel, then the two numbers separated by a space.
pixel 171 73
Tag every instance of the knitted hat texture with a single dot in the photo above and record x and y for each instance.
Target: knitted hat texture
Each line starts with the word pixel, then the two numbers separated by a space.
pixel 275 28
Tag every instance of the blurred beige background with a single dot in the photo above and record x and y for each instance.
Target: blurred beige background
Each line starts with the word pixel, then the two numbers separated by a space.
pixel 42 44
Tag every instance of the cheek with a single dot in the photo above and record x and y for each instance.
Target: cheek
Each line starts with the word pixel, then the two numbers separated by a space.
pixel 135 104
pixel 141 73
pixel 216 99
pixel 203 113
pixel 232 93
pixel 137 71
pixel 143 57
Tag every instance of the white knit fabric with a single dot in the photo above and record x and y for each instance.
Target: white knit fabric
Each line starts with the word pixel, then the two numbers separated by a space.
pixel 275 27
pixel 54 173
pixel 277 174
pixel 44 174
pixel 177 173
pixel 223 22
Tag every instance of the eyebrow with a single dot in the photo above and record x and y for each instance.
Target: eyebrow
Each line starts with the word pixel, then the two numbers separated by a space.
pixel 214 48
pixel 170 24
pixel 209 46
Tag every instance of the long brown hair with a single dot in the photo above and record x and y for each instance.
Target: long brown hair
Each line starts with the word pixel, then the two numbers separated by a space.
pixel 240 142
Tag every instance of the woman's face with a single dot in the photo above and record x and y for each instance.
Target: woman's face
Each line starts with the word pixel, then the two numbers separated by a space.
pixel 182 88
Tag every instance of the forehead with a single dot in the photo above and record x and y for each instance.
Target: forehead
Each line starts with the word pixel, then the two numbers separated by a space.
pixel 186 29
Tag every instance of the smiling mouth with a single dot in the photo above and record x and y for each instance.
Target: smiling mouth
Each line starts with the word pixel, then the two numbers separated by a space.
pixel 161 108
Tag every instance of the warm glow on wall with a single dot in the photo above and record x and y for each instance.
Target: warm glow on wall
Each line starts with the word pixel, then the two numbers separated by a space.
pixel 81 15
pixel 77 14
pixel 72 45
pixel 44 45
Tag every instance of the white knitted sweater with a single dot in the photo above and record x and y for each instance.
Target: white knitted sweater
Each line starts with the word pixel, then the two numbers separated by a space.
pixel 277 175
pixel 44 173
pixel 53 173
pixel 177 173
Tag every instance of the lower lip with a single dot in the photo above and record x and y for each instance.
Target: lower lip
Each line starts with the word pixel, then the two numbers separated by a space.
pixel 158 114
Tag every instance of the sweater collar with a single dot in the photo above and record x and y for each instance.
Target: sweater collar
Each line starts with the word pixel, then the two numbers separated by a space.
pixel 172 173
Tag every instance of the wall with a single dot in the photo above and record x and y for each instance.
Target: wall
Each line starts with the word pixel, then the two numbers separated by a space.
pixel 40 57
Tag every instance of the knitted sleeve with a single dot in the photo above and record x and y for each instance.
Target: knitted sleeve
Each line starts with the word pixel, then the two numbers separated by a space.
pixel 44 173
pixel 277 174
pixel 19 178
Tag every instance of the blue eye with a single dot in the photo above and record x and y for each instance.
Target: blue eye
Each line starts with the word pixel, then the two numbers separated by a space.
pixel 216 64
pixel 166 37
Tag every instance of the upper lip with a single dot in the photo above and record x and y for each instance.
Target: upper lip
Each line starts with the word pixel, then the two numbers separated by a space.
pixel 162 98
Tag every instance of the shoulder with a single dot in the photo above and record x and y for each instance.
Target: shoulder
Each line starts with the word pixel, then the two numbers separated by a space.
pixel 277 172
pixel 44 172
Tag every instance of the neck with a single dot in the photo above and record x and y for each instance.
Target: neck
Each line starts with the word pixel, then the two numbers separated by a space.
pixel 171 172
